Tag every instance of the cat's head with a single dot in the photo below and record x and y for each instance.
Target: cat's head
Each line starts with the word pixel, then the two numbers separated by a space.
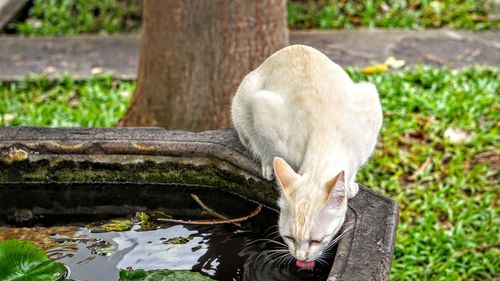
pixel 311 212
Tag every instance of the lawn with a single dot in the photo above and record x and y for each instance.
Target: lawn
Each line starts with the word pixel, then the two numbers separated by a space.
pixel 447 188
pixel 413 14
pixel 69 17
pixel 98 102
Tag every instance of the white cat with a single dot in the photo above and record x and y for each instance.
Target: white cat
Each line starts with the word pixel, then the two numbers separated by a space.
pixel 304 108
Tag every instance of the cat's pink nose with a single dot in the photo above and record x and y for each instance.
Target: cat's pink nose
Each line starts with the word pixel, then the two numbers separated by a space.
pixel 304 264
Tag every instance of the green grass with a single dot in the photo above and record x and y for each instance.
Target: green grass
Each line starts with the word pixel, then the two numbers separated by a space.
pixel 414 14
pixel 449 224
pixel 98 102
pixel 69 17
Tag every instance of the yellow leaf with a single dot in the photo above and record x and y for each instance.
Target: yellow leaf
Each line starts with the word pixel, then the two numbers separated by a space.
pixel 376 68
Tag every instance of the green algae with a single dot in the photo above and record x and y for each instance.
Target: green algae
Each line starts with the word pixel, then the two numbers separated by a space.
pixel 43 171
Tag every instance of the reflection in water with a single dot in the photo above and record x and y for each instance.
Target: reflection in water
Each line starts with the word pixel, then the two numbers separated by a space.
pixel 146 249
pixel 223 252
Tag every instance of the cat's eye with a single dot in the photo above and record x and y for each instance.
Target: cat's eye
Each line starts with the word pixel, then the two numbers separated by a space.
pixel 312 242
pixel 290 238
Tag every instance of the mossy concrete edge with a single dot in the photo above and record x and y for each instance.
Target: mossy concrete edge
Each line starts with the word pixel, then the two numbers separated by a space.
pixel 169 172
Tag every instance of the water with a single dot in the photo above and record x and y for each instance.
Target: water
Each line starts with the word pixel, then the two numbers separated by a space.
pixel 223 252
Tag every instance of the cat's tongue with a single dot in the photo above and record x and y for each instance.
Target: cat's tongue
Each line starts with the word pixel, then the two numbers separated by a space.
pixel 305 264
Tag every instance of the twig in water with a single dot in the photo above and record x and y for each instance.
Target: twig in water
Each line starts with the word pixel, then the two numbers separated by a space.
pixel 211 222
pixel 209 210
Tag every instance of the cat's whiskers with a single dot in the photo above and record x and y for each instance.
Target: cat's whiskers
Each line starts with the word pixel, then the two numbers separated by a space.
pixel 276 242
pixel 274 257
pixel 262 254
pixel 266 240
pixel 269 228
pixel 289 260
pixel 272 253
pixel 322 261
pixel 284 259
pixel 334 241
pixel 274 233
pixel 327 255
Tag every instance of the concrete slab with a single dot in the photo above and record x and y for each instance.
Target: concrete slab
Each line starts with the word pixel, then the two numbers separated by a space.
pixel 434 47
pixel 81 56
pixel 85 55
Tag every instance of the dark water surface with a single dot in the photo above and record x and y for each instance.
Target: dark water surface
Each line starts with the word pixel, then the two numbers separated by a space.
pixel 223 252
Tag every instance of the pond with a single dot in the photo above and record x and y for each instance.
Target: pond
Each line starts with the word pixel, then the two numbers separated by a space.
pixel 70 221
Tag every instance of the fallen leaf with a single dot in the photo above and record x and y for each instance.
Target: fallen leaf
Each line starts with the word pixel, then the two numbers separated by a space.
pixel 34 23
pixel 436 6
pixel 456 135
pixel 46 95
pixel 490 157
pixel 49 70
pixel 125 94
pixel 376 68
pixel 477 17
pixel 74 99
pixel 421 169
pixel 74 103
pixel 394 63
pixel 97 70
pixel 384 7
pixel 356 20
pixel 9 117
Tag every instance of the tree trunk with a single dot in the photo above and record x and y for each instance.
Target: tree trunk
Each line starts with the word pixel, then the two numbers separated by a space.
pixel 194 54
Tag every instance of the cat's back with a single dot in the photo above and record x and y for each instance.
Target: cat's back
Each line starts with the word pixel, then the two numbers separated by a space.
pixel 300 66
pixel 300 57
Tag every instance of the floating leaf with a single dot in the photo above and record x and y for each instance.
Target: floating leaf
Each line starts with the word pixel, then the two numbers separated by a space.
pixel 23 261
pixel 178 240
pixel 161 275
pixel 111 225
pixel 147 220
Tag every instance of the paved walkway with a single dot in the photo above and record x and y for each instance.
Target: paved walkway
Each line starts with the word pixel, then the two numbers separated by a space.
pixel 84 55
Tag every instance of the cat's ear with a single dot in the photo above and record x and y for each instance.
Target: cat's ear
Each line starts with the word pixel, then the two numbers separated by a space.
pixel 336 190
pixel 284 173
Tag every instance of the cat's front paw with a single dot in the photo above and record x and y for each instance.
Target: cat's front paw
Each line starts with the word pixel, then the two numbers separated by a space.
pixel 267 171
pixel 352 190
